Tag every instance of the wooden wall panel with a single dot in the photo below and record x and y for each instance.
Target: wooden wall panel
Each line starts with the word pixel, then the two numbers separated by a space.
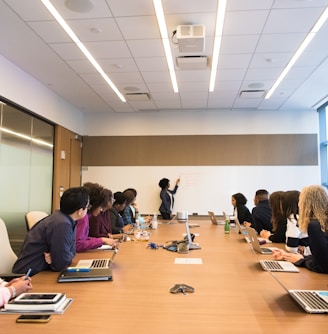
pixel 212 150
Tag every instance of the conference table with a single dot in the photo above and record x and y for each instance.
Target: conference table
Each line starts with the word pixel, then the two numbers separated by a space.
pixel 233 294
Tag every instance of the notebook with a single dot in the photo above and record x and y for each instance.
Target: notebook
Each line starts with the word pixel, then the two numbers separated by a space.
pixel 312 301
pixel 213 219
pixel 283 266
pixel 255 242
pixel 89 270
pixel 191 244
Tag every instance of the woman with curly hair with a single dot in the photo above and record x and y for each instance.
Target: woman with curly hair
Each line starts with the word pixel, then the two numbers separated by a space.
pixel 313 220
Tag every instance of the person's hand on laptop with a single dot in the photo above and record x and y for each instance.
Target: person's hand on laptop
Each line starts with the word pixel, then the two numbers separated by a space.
pixel 110 242
pixel 247 224
pixel 279 254
pixel 265 234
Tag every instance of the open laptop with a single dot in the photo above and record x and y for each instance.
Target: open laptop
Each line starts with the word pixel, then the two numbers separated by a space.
pixel 251 234
pixel 282 266
pixel 89 270
pixel 191 244
pixel 312 301
pixel 213 219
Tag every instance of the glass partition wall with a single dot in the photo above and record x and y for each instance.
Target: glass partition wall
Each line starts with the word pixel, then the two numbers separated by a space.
pixel 26 168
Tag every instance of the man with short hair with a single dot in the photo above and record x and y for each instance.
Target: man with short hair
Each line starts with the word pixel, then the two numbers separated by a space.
pixel 50 243
pixel 262 212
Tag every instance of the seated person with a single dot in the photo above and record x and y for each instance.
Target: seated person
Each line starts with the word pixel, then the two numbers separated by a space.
pixel 279 222
pixel 14 288
pixel 127 214
pixel 313 220
pixel 100 226
pixel 240 211
pixel 261 213
pixel 50 244
pixel 296 240
pixel 131 213
pixel 117 222
pixel 99 198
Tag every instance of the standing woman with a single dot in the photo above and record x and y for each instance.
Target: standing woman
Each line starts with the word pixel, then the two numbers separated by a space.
pixel 167 198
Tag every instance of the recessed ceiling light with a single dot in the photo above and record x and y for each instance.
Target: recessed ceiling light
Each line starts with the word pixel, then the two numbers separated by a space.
pixel 256 85
pixel 81 6
pixel 131 89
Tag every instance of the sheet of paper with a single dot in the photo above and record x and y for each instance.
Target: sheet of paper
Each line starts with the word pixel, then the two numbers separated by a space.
pixel 188 260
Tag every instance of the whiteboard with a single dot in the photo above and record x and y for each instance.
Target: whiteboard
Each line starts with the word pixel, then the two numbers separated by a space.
pixel 202 188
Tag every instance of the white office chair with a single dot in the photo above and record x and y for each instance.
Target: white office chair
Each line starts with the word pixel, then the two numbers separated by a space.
pixel 32 217
pixel 8 257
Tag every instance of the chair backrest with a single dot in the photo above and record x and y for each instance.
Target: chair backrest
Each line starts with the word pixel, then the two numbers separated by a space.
pixel 32 217
pixel 8 257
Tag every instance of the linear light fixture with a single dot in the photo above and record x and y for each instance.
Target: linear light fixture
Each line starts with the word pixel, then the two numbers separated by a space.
pixel 217 41
pixel 322 19
pixel 165 40
pixel 81 46
pixel 20 135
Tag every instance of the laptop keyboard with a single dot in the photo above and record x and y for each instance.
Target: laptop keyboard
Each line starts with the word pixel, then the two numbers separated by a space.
pixel 100 263
pixel 312 299
pixel 272 265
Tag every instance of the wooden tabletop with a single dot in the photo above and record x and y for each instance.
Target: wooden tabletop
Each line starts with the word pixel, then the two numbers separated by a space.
pixel 232 293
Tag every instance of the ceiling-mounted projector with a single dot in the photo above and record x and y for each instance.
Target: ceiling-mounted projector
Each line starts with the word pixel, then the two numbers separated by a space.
pixel 191 38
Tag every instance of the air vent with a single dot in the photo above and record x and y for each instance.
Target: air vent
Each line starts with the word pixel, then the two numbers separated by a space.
pixel 137 97
pixel 192 62
pixel 251 94
pixel 191 38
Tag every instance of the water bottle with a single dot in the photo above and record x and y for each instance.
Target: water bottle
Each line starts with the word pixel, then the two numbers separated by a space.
pixel 226 226
pixel 154 222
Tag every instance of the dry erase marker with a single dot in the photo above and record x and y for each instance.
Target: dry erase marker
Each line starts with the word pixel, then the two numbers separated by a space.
pixel 76 269
pixel 28 274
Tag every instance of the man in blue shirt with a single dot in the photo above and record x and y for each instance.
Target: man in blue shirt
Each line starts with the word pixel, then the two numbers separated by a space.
pixel 50 244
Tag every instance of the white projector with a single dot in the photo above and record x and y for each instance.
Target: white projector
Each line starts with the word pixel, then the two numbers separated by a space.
pixel 191 38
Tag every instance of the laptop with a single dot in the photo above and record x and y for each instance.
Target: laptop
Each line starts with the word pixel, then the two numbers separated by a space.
pixel 312 301
pixel 191 244
pixel 89 270
pixel 255 242
pixel 213 219
pixel 280 266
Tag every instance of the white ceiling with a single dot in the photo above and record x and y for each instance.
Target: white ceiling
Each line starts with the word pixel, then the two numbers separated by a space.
pixel 259 38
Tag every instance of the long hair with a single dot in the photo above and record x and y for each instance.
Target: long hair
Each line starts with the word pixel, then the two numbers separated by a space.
pixel 274 201
pixel 289 203
pixel 313 204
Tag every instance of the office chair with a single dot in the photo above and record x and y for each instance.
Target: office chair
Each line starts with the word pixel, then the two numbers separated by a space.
pixel 8 257
pixel 32 217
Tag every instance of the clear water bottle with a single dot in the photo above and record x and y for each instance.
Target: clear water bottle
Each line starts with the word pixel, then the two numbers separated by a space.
pixel 154 222
pixel 226 226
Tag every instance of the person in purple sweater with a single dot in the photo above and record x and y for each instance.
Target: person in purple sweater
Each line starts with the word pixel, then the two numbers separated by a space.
pixel 99 198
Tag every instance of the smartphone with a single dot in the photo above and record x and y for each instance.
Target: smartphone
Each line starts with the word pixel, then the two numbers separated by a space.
pixel 43 318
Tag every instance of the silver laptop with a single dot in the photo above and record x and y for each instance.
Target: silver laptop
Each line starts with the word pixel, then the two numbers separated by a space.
pixel 312 301
pixel 89 270
pixel 283 266
pixel 191 244
pixel 213 219
pixel 255 242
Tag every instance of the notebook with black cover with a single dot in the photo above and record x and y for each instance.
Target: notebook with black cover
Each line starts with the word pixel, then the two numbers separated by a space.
pixel 89 270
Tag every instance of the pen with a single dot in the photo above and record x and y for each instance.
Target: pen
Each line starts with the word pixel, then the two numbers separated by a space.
pixel 28 274
pixel 76 269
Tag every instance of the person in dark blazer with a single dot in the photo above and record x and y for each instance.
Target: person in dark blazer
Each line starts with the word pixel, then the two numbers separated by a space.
pixel 167 197
pixel 240 211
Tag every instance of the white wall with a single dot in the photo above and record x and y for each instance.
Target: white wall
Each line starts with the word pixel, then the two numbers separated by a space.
pixel 202 188
pixel 19 87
